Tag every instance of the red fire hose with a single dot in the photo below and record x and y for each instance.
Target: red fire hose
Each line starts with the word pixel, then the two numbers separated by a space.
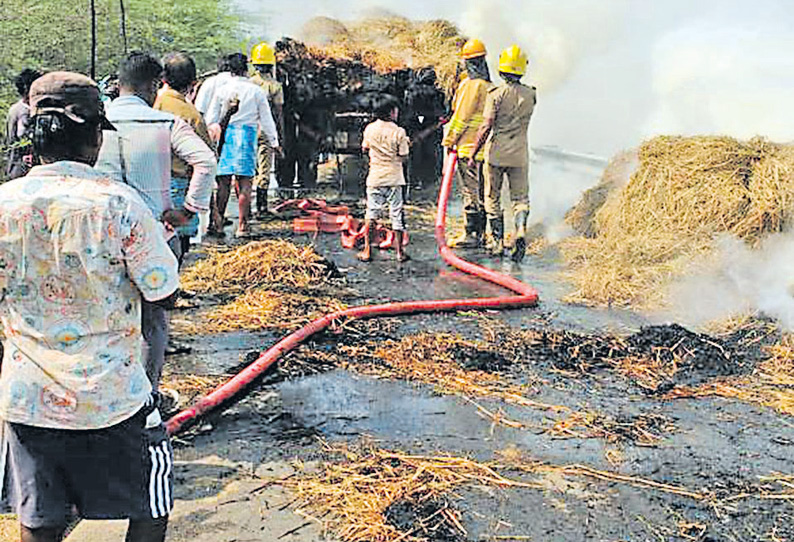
pixel 527 296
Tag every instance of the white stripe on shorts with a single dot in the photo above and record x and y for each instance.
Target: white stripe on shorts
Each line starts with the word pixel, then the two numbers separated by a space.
pixel 159 488
pixel 166 475
pixel 153 482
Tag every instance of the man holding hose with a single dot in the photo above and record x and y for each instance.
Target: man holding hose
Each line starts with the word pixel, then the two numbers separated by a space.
pixel 505 134
pixel 467 117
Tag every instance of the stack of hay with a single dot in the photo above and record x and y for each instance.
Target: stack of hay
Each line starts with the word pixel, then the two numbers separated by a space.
pixel 685 192
pixel 388 44
pixel 275 284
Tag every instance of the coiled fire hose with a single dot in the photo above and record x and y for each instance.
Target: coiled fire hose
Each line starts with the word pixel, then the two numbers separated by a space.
pixel 525 296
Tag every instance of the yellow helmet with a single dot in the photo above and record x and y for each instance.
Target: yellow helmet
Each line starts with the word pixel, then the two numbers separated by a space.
pixel 473 48
pixel 513 60
pixel 263 53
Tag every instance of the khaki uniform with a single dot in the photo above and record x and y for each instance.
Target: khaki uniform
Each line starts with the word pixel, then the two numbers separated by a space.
pixel 275 93
pixel 467 118
pixel 510 107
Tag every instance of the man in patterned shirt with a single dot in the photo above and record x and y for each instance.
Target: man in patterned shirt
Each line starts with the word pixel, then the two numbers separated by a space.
pixel 77 253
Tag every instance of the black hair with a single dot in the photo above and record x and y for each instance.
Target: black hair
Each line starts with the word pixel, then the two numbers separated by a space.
pixel 57 137
pixel 25 79
pixel 384 109
pixel 477 68
pixel 265 68
pixel 223 63
pixel 138 70
pixel 510 77
pixel 179 71
pixel 238 63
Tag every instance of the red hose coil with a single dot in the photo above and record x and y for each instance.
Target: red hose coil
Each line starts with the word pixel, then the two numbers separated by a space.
pixel 527 296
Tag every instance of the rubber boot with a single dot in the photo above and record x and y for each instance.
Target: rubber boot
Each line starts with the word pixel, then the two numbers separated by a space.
pixel 496 246
pixel 472 236
pixel 261 202
pixel 520 247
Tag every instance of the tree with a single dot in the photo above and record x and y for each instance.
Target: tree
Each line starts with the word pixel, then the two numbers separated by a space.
pixel 56 35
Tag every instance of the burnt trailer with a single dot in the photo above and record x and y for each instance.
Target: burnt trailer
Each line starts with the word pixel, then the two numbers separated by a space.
pixel 329 101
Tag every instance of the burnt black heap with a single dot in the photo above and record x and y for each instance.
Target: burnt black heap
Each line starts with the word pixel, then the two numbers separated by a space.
pixel 423 519
pixel 697 357
pixel 318 90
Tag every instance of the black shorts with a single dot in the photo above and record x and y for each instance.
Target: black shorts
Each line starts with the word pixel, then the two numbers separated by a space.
pixel 124 471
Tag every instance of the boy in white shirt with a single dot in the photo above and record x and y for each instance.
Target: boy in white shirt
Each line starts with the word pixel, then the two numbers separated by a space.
pixel 388 147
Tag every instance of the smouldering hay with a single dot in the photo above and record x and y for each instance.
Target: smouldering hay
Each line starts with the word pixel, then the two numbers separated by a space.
pixel 259 263
pixel 262 309
pixel 352 499
pixel 388 44
pixel 433 359
pixel 357 497
pixel 685 192
pixel 772 384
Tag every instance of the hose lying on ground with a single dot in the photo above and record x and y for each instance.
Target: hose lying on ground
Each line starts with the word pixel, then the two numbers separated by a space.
pixel 526 296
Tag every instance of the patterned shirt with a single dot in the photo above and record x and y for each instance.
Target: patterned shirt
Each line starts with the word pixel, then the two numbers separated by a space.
pixel 77 252
pixel 139 154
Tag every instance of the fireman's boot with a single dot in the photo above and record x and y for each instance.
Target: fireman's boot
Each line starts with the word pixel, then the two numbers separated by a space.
pixel 520 248
pixel 472 235
pixel 496 245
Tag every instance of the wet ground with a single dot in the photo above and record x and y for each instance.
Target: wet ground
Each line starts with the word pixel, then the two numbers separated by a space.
pixel 717 448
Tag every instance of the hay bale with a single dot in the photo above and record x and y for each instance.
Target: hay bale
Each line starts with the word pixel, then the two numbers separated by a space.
pixel 390 43
pixel 322 31
pixel 616 175
pixel 685 192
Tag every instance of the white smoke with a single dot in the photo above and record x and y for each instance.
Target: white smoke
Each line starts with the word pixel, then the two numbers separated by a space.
pixel 738 280
pixel 732 80
pixel 557 35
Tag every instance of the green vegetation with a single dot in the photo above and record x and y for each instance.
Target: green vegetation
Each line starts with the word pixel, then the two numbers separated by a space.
pixel 56 34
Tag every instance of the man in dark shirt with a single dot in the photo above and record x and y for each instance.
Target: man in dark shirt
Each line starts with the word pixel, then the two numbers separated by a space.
pixel 20 158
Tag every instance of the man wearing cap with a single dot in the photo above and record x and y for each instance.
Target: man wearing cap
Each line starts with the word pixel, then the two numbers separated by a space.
pixel 508 111
pixel 263 58
pixel 78 253
pixel 467 118
pixel 139 154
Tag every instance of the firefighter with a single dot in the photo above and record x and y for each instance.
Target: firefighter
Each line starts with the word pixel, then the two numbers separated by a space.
pixel 467 118
pixel 508 110
pixel 263 58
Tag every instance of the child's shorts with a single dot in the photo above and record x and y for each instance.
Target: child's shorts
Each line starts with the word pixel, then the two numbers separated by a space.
pixel 379 197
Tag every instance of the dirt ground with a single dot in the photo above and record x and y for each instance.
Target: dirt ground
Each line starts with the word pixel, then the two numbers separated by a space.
pixel 721 451
pixel 714 470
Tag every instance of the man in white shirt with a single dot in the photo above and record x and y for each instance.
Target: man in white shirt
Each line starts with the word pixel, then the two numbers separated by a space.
pixel 209 87
pixel 238 158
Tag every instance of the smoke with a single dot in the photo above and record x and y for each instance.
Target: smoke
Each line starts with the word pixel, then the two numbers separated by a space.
pixel 738 280
pixel 732 80
pixel 557 35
